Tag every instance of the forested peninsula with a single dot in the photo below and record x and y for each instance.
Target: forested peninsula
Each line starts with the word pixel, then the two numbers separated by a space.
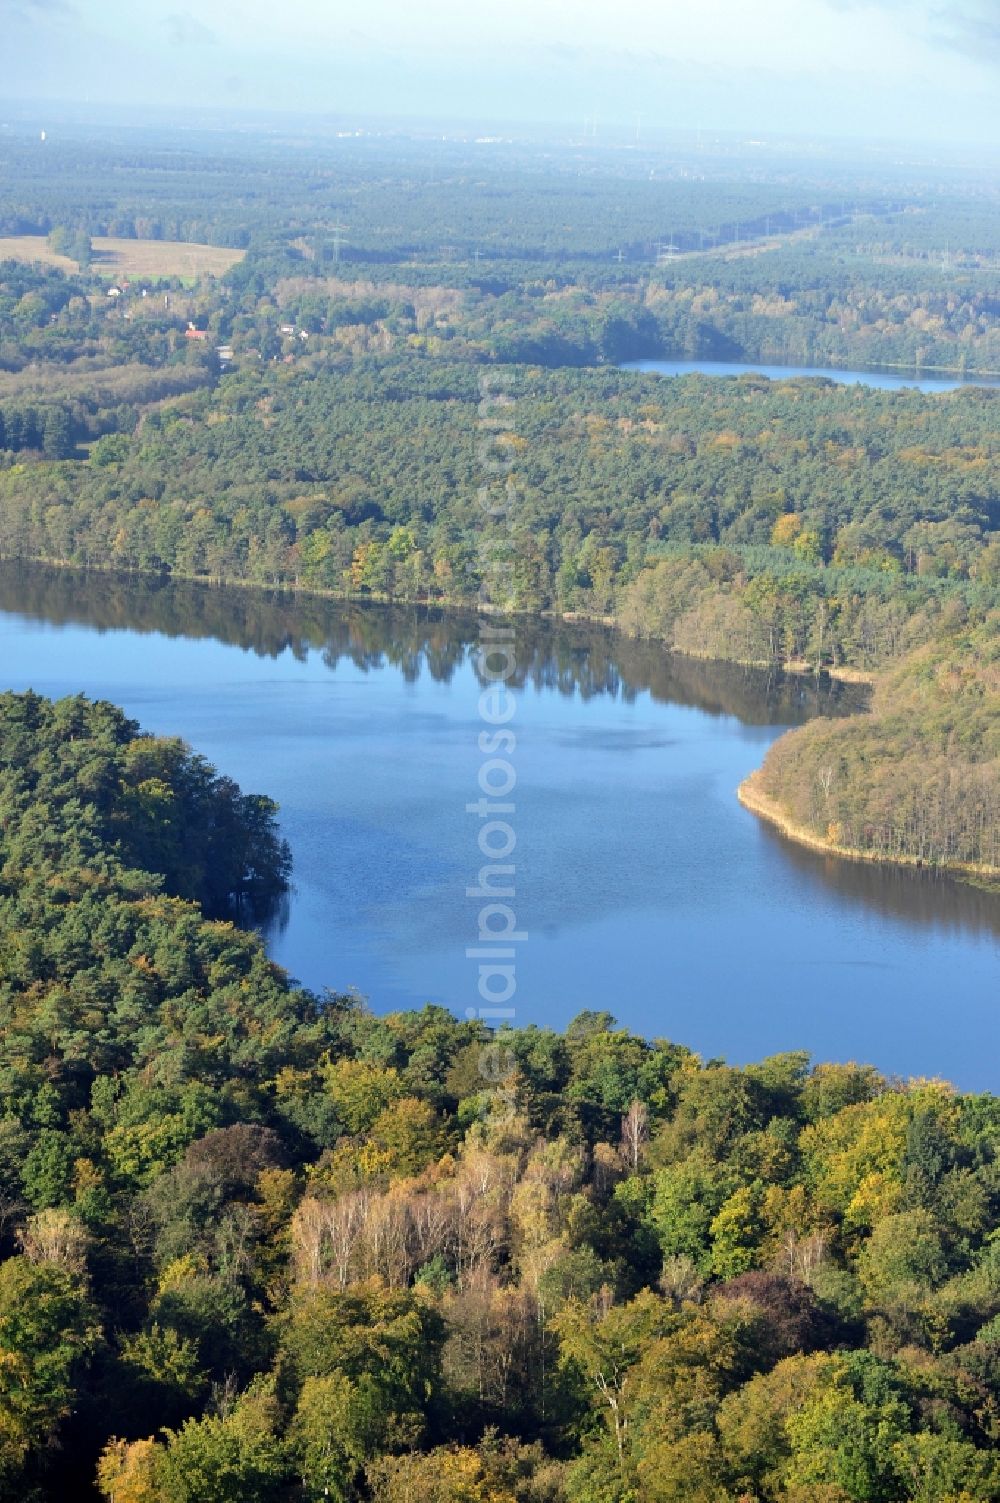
pixel 916 780
pixel 260 1245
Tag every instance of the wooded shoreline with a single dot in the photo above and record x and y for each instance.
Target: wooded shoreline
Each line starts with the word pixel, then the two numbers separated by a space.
pixel 754 799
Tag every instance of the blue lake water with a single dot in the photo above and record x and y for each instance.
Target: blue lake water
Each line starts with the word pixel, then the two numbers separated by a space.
pixel 642 884
pixel 882 380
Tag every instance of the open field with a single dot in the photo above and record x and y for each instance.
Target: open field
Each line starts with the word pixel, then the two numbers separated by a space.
pixel 115 257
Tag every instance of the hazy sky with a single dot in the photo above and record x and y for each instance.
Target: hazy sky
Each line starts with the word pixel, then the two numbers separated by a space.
pixel 906 68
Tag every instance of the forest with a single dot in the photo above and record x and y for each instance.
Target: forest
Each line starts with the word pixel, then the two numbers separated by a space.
pixel 311 419
pixel 262 1245
pixel 775 522
pixel 880 500
pixel 919 776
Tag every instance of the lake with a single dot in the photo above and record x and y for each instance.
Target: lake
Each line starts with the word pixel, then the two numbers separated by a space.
pixel 881 380
pixel 642 885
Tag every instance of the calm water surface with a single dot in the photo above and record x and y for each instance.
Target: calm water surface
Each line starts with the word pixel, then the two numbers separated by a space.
pixel 882 380
pixel 644 887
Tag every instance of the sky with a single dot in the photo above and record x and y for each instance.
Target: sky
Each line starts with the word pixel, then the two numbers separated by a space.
pixel 914 70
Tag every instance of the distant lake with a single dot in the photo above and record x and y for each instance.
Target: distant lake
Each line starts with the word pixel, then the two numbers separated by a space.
pixel 643 886
pixel 881 380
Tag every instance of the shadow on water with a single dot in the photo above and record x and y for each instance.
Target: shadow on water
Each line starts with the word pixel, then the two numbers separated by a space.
pixel 568 657
pixel 919 897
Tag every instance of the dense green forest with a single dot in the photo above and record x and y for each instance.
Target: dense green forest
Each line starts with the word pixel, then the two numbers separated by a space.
pixel 313 419
pixel 363 479
pixel 260 1245
pixel 425 194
